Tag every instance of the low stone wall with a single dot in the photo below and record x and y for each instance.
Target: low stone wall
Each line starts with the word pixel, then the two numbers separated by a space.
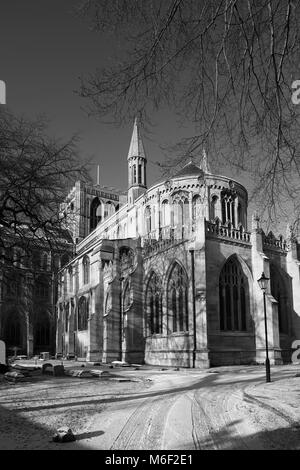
pixel 170 358
pixel 169 350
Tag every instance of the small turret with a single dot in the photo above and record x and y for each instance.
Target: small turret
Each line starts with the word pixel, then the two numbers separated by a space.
pixel 204 165
pixel 136 166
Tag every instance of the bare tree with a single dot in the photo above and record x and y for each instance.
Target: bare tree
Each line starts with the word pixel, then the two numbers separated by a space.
pixel 226 65
pixel 35 174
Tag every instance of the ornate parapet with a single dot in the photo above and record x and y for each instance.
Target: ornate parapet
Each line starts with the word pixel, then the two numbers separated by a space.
pixel 168 237
pixel 270 242
pixel 227 233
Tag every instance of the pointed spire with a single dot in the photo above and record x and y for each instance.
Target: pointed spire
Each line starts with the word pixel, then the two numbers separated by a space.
pixel 204 162
pixel 136 148
pixel 290 233
pixel 98 175
pixel 255 221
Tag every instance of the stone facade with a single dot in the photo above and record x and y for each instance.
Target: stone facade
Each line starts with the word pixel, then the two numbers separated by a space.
pixel 28 295
pixel 170 276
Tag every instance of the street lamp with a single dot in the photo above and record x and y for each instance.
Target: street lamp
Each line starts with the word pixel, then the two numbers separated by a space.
pixel 263 282
pixel 194 308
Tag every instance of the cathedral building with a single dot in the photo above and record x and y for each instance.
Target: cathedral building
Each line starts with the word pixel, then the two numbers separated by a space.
pixel 168 274
pixel 28 290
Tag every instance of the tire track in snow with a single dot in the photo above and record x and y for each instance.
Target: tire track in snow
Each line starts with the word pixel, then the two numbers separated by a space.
pixel 145 426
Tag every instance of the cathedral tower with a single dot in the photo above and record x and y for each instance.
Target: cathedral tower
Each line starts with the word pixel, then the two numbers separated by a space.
pixel 136 166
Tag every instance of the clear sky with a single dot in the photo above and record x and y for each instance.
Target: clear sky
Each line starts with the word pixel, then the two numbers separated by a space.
pixel 44 49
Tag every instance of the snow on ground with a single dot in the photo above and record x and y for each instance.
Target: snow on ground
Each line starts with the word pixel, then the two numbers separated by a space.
pixel 220 408
pixel 31 411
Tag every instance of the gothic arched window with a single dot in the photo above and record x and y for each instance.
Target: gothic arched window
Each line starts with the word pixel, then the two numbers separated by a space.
pixel 86 270
pixel 178 299
pixel 181 210
pixel 109 209
pixel 42 288
pixel 233 294
pixel 153 305
pixel 165 214
pixel 148 219
pixel 228 207
pixel 180 213
pixel 95 213
pixel 83 314
pixel 213 204
pixel 279 293
pixel 134 174
pixel 241 215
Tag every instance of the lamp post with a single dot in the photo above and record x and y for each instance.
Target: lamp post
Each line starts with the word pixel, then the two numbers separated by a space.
pixel 263 282
pixel 121 319
pixel 194 309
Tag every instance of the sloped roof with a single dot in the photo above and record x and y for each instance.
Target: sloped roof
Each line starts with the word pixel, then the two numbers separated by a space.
pixel 136 148
pixel 190 169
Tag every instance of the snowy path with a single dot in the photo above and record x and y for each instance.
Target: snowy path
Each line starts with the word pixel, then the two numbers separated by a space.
pixel 224 408
pixel 208 411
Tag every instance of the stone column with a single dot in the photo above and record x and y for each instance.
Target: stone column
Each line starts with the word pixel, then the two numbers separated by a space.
pixel 293 269
pixel 59 330
pixel 95 324
pixel 29 334
pixel 140 221
pixel 260 263
pixel 105 338
pixel 71 348
pixel 236 203
pixel 1 301
pixel 112 324
pixel 190 224
pixel 133 340
pixel 202 358
pixel 157 214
